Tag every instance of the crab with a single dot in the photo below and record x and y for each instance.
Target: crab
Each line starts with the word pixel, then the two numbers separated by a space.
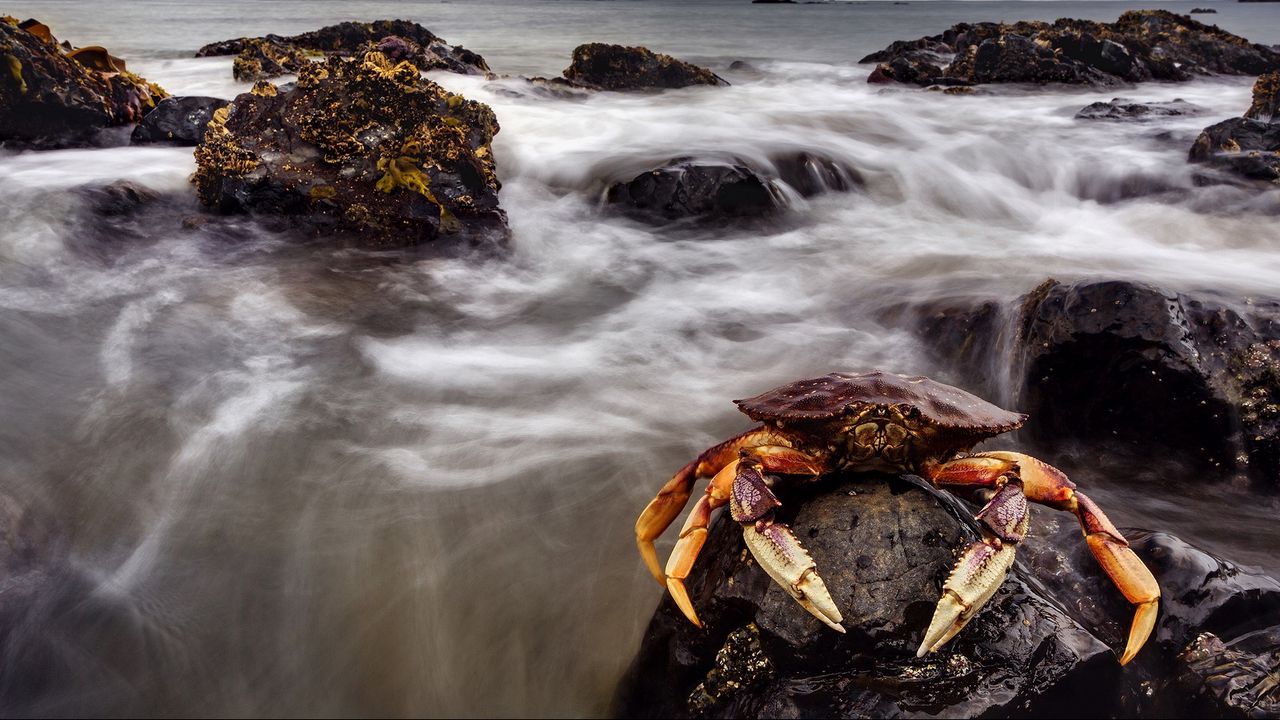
pixel 877 421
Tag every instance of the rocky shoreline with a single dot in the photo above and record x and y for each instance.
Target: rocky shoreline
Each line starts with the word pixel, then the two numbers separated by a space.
pixel 362 148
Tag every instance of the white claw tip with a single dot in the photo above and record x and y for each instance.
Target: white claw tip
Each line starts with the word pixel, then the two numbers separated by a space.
pixel 924 649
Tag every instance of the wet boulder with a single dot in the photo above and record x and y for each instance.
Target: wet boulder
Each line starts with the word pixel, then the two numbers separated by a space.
pixel 1130 366
pixel 362 146
pixel 883 546
pixel 683 189
pixel 413 43
pixel 1124 109
pixel 912 71
pixel 1247 146
pixel 177 121
pixel 616 67
pixel 55 97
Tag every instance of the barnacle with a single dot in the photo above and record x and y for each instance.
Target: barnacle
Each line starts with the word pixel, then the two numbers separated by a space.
pixel 264 89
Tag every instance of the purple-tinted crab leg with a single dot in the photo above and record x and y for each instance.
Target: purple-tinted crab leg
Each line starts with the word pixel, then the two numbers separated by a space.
pixel 982 567
pixel 776 548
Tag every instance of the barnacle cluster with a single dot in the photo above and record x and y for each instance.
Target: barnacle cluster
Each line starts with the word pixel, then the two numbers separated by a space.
pixel 218 156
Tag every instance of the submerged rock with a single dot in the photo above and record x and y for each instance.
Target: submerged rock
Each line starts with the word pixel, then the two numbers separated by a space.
pixel 1124 109
pixel 1140 45
pixel 1248 146
pixel 364 146
pixel 616 67
pixel 883 546
pixel 412 42
pixel 177 120
pixel 52 97
pixel 686 189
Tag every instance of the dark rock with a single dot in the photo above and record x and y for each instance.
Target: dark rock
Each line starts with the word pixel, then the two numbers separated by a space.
pixel 1248 146
pixel 683 189
pixel 1245 147
pixel 884 547
pixel 810 174
pixel 615 67
pixel 412 42
pixel 1266 99
pixel 927 48
pixel 1016 58
pixel 118 199
pixel 52 97
pixel 266 59
pixel 907 70
pixel 1140 45
pixel 177 120
pixel 1123 109
pixel 1203 11
pixel 1132 366
pixel 362 146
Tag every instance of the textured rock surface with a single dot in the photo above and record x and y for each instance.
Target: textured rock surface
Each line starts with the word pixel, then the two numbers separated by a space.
pixel 616 67
pixel 883 546
pixel 421 47
pixel 266 59
pixel 1111 361
pixel 1248 146
pixel 51 97
pixel 1123 109
pixel 177 120
pixel 1140 45
pixel 362 145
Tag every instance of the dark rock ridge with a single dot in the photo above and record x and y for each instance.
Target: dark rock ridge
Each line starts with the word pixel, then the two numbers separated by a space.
pixel 286 53
pixel 177 121
pixel 1124 109
pixel 52 96
pixel 616 67
pixel 883 546
pixel 1140 45
pixel 1248 146
pixel 685 188
pixel 1203 11
pixel 1161 373
pixel 363 146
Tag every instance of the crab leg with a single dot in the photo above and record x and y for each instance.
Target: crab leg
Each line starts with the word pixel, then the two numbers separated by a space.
pixel 1049 486
pixel 776 548
pixel 1042 483
pixel 982 568
pixel 721 489
pixel 671 499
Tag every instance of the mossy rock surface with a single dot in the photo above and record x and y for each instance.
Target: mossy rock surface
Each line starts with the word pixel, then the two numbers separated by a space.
pixel 362 146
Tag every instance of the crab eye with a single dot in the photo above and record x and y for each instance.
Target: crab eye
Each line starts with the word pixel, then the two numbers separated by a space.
pixel 910 412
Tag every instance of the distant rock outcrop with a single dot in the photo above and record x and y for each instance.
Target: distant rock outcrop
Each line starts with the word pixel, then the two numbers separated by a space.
pixel 1141 45
pixel 617 67
pixel 273 55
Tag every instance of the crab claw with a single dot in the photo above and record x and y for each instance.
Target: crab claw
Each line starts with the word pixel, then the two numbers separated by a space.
pixel 974 580
pixel 778 551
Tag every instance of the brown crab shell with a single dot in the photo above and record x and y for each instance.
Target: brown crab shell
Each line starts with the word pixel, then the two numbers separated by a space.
pixel 836 394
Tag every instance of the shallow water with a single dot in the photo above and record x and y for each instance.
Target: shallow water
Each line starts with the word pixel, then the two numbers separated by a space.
pixel 299 480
